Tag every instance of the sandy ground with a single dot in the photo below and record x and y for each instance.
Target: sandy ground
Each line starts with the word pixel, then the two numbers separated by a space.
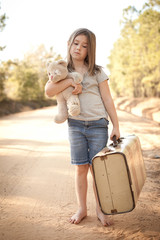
pixel 37 182
pixel 142 107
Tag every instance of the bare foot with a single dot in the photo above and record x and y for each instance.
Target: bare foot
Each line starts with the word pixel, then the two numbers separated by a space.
pixel 78 216
pixel 104 219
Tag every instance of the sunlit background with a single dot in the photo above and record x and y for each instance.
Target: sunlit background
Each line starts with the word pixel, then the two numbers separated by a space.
pixel 36 179
pixel 50 22
pixel 128 37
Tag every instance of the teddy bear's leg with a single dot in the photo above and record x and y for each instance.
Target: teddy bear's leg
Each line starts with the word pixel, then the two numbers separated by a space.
pixel 62 114
pixel 73 105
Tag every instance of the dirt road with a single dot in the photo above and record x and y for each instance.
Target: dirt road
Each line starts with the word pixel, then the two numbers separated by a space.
pixel 37 182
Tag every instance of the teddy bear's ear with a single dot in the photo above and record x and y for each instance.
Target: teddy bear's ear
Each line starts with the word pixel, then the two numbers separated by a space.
pixel 62 62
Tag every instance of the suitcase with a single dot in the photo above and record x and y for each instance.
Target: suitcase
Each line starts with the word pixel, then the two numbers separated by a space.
pixel 119 175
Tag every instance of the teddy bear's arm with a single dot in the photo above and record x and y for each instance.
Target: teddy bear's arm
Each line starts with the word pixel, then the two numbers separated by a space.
pixel 77 77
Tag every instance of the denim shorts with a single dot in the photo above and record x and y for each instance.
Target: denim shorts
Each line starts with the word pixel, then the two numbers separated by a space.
pixel 86 138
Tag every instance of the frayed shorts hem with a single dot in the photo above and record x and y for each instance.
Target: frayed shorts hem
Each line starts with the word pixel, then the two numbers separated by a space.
pixel 80 163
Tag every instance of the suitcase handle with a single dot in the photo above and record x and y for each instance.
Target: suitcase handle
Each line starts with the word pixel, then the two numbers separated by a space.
pixel 116 141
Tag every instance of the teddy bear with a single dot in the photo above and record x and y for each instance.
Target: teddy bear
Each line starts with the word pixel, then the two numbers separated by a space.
pixel 67 103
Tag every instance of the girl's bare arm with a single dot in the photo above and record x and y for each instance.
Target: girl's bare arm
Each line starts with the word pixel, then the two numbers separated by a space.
pixel 110 108
pixel 52 89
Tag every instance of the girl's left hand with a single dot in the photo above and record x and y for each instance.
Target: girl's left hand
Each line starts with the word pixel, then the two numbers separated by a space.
pixel 116 132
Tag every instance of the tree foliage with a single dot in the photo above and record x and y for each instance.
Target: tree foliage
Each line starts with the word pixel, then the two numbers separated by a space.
pixel 135 57
pixel 3 18
pixel 25 80
pixel 2 80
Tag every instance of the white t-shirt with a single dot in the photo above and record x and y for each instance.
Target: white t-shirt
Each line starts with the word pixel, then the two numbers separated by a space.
pixel 92 107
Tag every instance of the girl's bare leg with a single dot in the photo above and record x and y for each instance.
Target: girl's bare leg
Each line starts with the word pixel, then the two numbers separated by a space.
pixel 105 220
pixel 81 172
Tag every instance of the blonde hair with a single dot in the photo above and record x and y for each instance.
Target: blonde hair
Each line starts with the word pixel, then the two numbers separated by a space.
pixel 91 56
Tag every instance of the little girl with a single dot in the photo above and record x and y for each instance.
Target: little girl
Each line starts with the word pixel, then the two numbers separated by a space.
pixel 88 132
